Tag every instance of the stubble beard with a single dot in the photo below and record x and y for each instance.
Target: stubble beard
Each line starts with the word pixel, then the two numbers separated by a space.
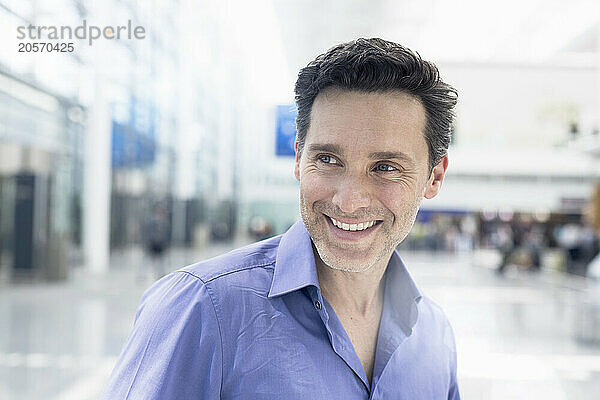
pixel 313 220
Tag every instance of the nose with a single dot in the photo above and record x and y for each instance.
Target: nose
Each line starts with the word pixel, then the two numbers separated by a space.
pixel 351 194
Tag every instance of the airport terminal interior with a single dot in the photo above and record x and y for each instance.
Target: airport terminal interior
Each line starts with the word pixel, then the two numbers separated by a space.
pixel 126 158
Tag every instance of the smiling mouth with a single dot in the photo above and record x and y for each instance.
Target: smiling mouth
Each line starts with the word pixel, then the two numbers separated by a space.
pixel 361 226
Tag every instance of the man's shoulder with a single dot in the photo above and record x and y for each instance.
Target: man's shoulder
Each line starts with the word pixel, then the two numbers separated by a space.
pixel 433 311
pixel 434 321
pixel 223 278
pixel 256 255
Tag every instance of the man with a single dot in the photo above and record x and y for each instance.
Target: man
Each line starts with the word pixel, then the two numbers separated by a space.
pixel 327 310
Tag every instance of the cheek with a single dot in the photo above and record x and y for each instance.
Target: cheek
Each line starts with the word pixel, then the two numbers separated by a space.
pixel 315 187
pixel 399 202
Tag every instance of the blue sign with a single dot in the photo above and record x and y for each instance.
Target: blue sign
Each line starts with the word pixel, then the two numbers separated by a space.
pixel 133 138
pixel 428 215
pixel 286 130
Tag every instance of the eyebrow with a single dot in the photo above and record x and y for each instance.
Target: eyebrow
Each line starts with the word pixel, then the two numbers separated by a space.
pixel 334 148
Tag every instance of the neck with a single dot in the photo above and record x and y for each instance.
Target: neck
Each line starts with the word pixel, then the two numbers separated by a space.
pixel 357 292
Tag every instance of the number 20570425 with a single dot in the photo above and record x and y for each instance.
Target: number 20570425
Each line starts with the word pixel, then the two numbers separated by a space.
pixel 40 47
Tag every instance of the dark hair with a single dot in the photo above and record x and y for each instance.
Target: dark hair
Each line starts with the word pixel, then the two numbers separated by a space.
pixel 377 65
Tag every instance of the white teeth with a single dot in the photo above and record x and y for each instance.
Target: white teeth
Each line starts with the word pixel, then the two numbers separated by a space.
pixel 352 227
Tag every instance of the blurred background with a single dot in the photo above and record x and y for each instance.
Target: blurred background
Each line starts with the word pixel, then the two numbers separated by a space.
pixel 128 158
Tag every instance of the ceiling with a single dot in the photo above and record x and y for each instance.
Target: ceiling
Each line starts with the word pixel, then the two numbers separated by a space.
pixel 521 31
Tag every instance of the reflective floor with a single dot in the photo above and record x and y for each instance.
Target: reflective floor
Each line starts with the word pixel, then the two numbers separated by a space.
pixel 519 336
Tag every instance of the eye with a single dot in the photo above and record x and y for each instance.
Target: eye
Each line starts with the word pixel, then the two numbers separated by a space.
pixel 327 159
pixel 385 168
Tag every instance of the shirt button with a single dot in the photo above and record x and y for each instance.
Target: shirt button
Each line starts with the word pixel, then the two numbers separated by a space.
pixel 318 305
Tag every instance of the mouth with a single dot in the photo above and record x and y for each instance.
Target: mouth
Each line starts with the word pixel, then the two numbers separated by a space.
pixel 359 226
pixel 352 230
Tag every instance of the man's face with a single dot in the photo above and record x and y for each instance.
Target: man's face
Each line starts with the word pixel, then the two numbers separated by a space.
pixel 363 172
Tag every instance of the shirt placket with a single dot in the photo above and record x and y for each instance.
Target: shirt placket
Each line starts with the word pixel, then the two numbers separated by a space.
pixel 388 341
pixel 338 338
pixel 391 336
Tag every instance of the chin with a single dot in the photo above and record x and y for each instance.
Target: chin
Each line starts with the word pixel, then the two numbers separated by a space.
pixel 345 262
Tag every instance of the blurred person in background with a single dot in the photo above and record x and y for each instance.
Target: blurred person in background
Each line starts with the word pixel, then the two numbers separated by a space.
pixel 591 239
pixel 520 243
pixel 327 310
pixel 535 243
pixel 570 237
pixel 468 233
pixel 451 234
pixel 588 246
pixel 157 234
pixel 503 240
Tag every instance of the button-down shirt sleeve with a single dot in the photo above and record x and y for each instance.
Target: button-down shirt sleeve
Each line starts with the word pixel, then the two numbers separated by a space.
pixel 174 350
pixel 453 393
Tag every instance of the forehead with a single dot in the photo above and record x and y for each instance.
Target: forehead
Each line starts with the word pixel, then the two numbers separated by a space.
pixel 378 121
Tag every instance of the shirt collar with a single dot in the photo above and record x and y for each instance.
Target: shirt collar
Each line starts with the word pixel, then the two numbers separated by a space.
pixel 295 263
pixel 295 269
pixel 402 292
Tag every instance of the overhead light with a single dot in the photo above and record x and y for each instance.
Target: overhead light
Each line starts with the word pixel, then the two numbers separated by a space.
pixel 505 214
pixel 488 214
pixel 541 215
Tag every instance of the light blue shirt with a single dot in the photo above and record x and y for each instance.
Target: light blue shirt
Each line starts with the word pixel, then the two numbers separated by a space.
pixel 252 324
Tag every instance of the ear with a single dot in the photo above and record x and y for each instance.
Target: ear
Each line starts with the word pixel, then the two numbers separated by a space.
pixel 434 184
pixel 297 165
